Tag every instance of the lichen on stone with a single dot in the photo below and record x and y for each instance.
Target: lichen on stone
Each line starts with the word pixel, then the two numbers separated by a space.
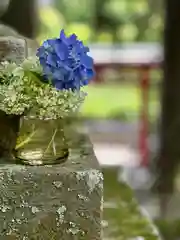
pixel 74 229
pixel 35 210
pixel 4 208
pixel 102 203
pixel 50 203
pixel 61 212
pixel 81 197
pixel 93 178
pixel 57 184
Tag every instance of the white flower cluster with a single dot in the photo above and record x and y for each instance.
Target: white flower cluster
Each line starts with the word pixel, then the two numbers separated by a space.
pixel 22 93
pixel 52 103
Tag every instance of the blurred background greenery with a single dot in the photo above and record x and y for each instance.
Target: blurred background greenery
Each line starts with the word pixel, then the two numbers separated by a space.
pixel 132 21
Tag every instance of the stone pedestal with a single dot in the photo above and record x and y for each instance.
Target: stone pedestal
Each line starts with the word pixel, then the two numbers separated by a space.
pixel 59 202
pixel 13 49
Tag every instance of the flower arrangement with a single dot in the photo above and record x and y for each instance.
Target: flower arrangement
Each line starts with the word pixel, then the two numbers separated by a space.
pixel 48 85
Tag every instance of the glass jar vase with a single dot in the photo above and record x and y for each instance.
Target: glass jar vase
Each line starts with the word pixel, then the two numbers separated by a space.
pixel 41 142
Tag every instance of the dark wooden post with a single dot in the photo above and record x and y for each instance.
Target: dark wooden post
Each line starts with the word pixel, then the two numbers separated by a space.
pixel 169 156
pixel 4 6
pixel 22 16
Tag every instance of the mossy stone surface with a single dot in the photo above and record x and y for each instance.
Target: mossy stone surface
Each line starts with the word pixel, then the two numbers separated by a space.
pixel 53 202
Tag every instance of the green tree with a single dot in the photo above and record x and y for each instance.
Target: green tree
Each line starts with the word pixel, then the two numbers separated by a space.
pixel 114 20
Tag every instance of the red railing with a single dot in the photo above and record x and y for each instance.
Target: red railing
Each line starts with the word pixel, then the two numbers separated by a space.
pixel 142 57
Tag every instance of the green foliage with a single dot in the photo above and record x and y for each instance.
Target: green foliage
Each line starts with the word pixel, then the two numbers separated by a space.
pixel 49 17
pixel 76 10
pixel 123 20
pixel 122 217
pixel 82 30
pixel 120 101
pixel 170 230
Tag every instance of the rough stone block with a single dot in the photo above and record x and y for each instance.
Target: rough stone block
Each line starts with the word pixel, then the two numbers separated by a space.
pixel 32 45
pixel 13 49
pixel 59 202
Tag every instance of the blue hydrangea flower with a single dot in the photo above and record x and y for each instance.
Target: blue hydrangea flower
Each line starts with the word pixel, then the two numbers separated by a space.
pixel 65 62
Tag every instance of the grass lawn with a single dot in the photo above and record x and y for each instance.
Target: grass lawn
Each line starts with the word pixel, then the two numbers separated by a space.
pixel 108 101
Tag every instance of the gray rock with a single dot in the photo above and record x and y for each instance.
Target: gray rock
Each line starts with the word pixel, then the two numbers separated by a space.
pixel 12 49
pixel 9 32
pixel 59 202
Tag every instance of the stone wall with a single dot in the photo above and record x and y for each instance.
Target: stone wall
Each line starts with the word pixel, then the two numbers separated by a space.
pixel 53 202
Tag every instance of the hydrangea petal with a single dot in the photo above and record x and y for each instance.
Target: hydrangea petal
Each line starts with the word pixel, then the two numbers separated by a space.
pixel 63 37
pixel 65 61
pixel 58 85
pixel 51 60
pixel 61 50
pixel 72 39
pixel 87 61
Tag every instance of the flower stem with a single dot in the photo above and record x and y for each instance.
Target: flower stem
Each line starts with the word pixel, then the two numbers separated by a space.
pixel 52 139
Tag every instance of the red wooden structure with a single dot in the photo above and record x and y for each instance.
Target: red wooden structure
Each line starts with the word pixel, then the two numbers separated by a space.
pixel 142 57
